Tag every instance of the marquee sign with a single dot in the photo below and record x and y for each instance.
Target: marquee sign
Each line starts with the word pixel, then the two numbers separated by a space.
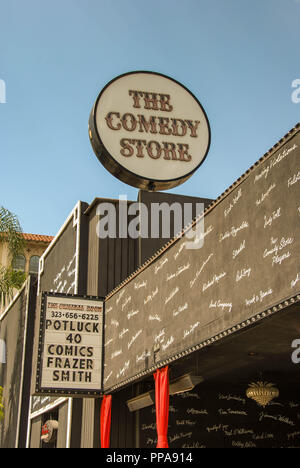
pixel 149 131
pixel 70 345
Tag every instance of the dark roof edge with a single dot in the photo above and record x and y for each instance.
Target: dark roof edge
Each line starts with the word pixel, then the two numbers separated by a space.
pixel 98 200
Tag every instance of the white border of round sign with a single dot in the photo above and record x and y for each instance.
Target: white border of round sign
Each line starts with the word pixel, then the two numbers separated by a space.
pixel 112 99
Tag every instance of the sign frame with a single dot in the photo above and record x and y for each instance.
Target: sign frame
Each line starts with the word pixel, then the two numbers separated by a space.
pixel 71 391
pixel 118 170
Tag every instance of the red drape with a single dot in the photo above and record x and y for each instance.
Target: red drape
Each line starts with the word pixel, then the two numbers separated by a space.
pixel 105 421
pixel 162 406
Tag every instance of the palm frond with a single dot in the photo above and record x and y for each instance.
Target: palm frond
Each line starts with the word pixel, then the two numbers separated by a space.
pixel 9 280
pixel 11 232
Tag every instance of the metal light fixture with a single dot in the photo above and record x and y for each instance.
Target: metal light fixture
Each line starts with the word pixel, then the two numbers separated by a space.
pixel 183 384
pixel 262 392
pixel 141 401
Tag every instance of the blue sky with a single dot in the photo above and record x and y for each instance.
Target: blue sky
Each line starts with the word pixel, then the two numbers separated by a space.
pixel 238 57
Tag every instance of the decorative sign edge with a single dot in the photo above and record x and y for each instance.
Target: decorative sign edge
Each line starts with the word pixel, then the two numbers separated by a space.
pixel 120 172
pixel 56 391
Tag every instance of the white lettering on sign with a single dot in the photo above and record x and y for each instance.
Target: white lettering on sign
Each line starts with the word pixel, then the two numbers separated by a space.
pixel 260 200
pixel 293 180
pixel 72 344
pixel 258 297
pixel 244 273
pixel 225 306
pixel 274 161
pixel 215 279
pixel 236 252
pixel 268 219
pixel 234 201
pixel 233 231
pixel 295 281
pixel 276 251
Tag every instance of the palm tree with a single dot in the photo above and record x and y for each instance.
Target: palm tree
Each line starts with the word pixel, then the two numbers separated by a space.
pixel 11 233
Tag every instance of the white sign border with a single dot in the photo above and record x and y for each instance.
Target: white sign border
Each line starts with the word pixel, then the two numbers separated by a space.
pixel 124 174
pixel 72 391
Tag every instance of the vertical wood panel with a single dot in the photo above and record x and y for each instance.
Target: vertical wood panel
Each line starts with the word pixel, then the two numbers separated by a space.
pixel 110 260
pixel 97 442
pixel 87 430
pixel 118 261
pixel 62 425
pixel 111 265
pixel 124 258
pixel 122 421
pixel 131 256
pixel 83 250
pixel 76 422
pixel 35 435
pixel 93 254
pixel 102 267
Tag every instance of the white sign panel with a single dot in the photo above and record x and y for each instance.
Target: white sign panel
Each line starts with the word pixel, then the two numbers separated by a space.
pixel 70 346
pixel 149 130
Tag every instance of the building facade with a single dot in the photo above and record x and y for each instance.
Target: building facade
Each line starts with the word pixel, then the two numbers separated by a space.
pixel 221 317
pixel 35 246
pixel 28 261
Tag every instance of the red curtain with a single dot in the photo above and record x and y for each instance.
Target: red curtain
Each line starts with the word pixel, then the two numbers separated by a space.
pixel 105 421
pixel 162 406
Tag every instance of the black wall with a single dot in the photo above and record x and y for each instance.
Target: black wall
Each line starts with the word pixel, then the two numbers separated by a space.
pixel 219 415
